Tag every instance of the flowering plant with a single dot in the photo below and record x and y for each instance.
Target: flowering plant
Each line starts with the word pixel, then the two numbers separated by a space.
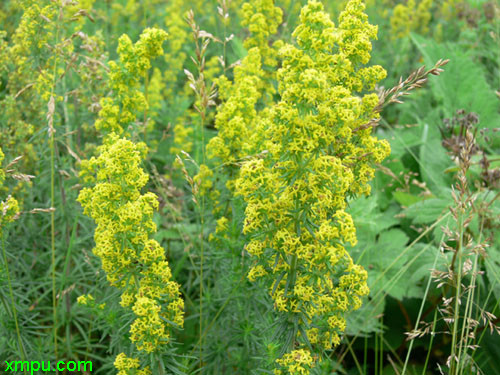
pixel 296 193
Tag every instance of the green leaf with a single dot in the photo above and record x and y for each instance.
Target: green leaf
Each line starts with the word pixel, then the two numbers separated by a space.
pixel 463 83
pixel 433 162
pixel 427 211
pixel 238 49
pixel 406 199
pixel 492 264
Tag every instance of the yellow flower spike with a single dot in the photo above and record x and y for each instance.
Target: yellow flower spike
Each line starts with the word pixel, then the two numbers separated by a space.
pixel 132 260
pixel 297 362
pixel 315 157
pixel 125 365
pixel 262 18
pixel 236 117
pixel 411 17
pixel 123 215
pixel 118 111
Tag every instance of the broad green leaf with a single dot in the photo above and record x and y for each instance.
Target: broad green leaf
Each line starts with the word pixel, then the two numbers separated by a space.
pixel 406 199
pixel 462 85
pixel 433 161
pixel 427 211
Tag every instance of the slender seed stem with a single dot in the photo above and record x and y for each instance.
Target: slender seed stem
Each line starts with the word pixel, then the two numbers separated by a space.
pixel 52 193
pixel 429 351
pixel 53 241
pixel 456 315
pixel 202 246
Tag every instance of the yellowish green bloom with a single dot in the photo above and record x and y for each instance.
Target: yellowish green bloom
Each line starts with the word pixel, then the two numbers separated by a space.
pixel 315 156
pixel 133 261
pixel 411 17
pixel 128 101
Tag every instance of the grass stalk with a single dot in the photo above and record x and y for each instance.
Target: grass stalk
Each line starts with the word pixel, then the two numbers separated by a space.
pixel 202 244
pixel 427 357
pixel 458 291
pixel 421 310
pixel 50 117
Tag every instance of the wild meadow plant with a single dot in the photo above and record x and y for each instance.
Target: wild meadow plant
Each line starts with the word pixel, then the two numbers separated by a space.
pixel 296 192
pixel 133 261
pixel 236 196
pixel 237 116
pixel 458 311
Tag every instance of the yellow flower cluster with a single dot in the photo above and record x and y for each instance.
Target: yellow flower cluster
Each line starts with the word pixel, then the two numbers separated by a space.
pixel 43 39
pixel 133 261
pixel 175 56
pixel 85 299
pixel 262 18
pixel 236 116
pixel 317 154
pixel 9 208
pixel 129 366
pixel 20 112
pixel 125 76
pixel 203 180
pixel 298 362
pixel 411 17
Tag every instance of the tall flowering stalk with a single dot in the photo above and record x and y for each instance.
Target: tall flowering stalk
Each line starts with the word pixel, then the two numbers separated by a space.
pixel 317 155
pixel 175 58
pixel 133 261
pixel 237 117
pixel 262 18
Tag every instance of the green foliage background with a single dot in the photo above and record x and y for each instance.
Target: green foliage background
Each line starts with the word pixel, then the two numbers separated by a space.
pixel 399 227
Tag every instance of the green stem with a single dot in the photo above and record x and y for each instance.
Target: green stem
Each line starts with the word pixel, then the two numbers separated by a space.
pixel 161 371
pixel 52 189
pixel 467 315
pixel 456 313
pixel 202 246
pixel 429 350
pixel 11 292
pixel 146 85
pixel 52 242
